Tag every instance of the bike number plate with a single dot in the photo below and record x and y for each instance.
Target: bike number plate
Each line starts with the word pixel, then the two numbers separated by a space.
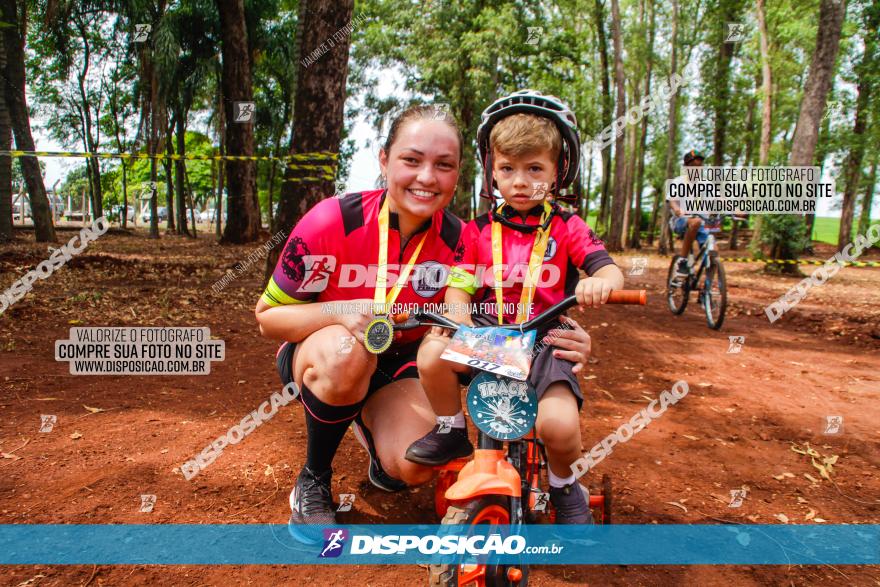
pixel 502 408
pixel 497 350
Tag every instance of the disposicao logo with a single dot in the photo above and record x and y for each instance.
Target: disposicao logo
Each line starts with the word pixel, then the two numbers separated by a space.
pixel 334 543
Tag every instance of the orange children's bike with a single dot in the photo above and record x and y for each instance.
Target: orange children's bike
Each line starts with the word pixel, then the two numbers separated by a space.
pixel 502 487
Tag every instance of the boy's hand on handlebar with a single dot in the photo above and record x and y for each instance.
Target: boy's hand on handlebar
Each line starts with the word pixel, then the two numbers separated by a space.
pixel 593 291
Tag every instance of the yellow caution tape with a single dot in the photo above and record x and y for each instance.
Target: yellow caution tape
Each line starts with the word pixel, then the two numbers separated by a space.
pixel 318 156
pixel 796 261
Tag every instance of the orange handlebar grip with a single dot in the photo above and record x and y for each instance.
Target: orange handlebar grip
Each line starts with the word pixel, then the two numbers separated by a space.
pixel 628 296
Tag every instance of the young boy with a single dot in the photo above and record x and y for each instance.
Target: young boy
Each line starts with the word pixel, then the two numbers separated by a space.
pixel 529 147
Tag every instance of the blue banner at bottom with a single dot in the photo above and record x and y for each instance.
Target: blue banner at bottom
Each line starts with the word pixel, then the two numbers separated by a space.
pixel 170 544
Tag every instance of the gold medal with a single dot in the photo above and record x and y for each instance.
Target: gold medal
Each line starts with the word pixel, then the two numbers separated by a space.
pixel 379 333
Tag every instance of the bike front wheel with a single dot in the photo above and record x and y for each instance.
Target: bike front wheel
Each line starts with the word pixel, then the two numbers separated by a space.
pixel 492 510
pixel 715 292
pixel 677 294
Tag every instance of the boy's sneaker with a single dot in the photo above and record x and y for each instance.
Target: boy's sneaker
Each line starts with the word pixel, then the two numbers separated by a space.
pixel 434 449
pixel 311 503
pixel 571 504
pixel 376 473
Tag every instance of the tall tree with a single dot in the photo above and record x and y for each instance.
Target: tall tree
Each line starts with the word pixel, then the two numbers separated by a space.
pixel 640 181
pixel 866 72
pixel 5 162
pixel 868 199
pixel 616 234
pixel 243 221
pixel 671 149
pixel 599 18
pixel 318 108
pixel 767 107
pixel 14 34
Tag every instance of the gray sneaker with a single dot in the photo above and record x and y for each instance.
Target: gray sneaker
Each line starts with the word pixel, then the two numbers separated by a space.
pixel 311 503
pixel 571 504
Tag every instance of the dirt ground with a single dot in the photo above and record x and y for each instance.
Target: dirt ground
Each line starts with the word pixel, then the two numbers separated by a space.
pixel 737 427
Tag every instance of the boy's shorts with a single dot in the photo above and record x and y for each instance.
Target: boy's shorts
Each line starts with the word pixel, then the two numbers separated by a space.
pixel 679 227
pixel 545 370
pixel 398 362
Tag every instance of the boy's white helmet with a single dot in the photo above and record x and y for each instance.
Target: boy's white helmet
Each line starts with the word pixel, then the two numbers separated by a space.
pixel 534 102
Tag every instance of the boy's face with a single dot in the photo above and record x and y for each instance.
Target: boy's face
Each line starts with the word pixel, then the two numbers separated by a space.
pixel 524 181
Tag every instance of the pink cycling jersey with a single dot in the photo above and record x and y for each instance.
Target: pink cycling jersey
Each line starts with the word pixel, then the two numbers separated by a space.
pixel 333 252
pixel 572 245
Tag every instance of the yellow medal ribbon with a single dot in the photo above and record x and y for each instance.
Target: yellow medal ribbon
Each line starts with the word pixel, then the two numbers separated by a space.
pixel 542 237
pixel 380 300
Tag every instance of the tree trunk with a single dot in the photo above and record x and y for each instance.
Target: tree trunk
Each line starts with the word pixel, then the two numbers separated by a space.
pixel 179 173
pixel 154 145
pixel 243 213
pixel 599 17
pixel 615 235
pixel 868 200
pixel 767 109
pixel 167 165
pixel 636 242
pixel 318 110
pixel 722 84
pixel 5 162
pixel 671 149
pixel 865 73
pixel 806 134
pixel 16 102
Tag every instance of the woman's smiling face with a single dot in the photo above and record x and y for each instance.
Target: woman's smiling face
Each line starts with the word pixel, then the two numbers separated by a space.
pixel 422 167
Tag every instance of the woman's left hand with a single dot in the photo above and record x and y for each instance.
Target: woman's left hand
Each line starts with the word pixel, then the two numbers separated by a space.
pixel 572 345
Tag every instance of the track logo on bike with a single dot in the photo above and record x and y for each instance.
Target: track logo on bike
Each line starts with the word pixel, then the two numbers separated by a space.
pixel 502 408
pixel 334 543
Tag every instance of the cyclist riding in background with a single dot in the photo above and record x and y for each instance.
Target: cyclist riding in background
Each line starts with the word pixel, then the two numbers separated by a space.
pixel 688 227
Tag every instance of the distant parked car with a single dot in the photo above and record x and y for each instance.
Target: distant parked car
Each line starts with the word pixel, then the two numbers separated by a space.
pixel 210 215
pixel 146 215
pixel 116 213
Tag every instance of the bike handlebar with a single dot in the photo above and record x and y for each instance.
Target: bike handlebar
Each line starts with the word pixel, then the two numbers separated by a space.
pixel 420 318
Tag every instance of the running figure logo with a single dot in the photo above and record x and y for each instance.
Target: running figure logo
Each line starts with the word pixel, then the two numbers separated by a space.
pixel 736 32
pixel 47 422
pixel 541 499
pixel 317 272
pixel 346 500
pixel 334 541
pixel 833 424
pixel 639 264
pixel 736 498
pixel 736 344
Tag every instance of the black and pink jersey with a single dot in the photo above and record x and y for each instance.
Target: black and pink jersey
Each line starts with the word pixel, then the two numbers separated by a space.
pixel 332 255
pixel 572 245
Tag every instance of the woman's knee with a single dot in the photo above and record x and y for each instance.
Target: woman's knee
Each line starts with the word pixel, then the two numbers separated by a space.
pixel 413 474
pixel 338 375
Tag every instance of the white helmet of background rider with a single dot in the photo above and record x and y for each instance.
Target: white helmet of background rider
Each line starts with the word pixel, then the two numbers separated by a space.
pixel 534 102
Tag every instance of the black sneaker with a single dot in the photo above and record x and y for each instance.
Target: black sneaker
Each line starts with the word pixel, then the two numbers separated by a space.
pixel 376 473
pixel 571 504
pixel 434 449
pixel 311 503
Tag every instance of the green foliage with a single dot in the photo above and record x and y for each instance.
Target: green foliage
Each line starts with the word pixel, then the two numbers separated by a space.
pixel 784 235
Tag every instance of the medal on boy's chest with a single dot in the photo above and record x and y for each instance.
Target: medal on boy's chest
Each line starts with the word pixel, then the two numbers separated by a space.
pixel 379 333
